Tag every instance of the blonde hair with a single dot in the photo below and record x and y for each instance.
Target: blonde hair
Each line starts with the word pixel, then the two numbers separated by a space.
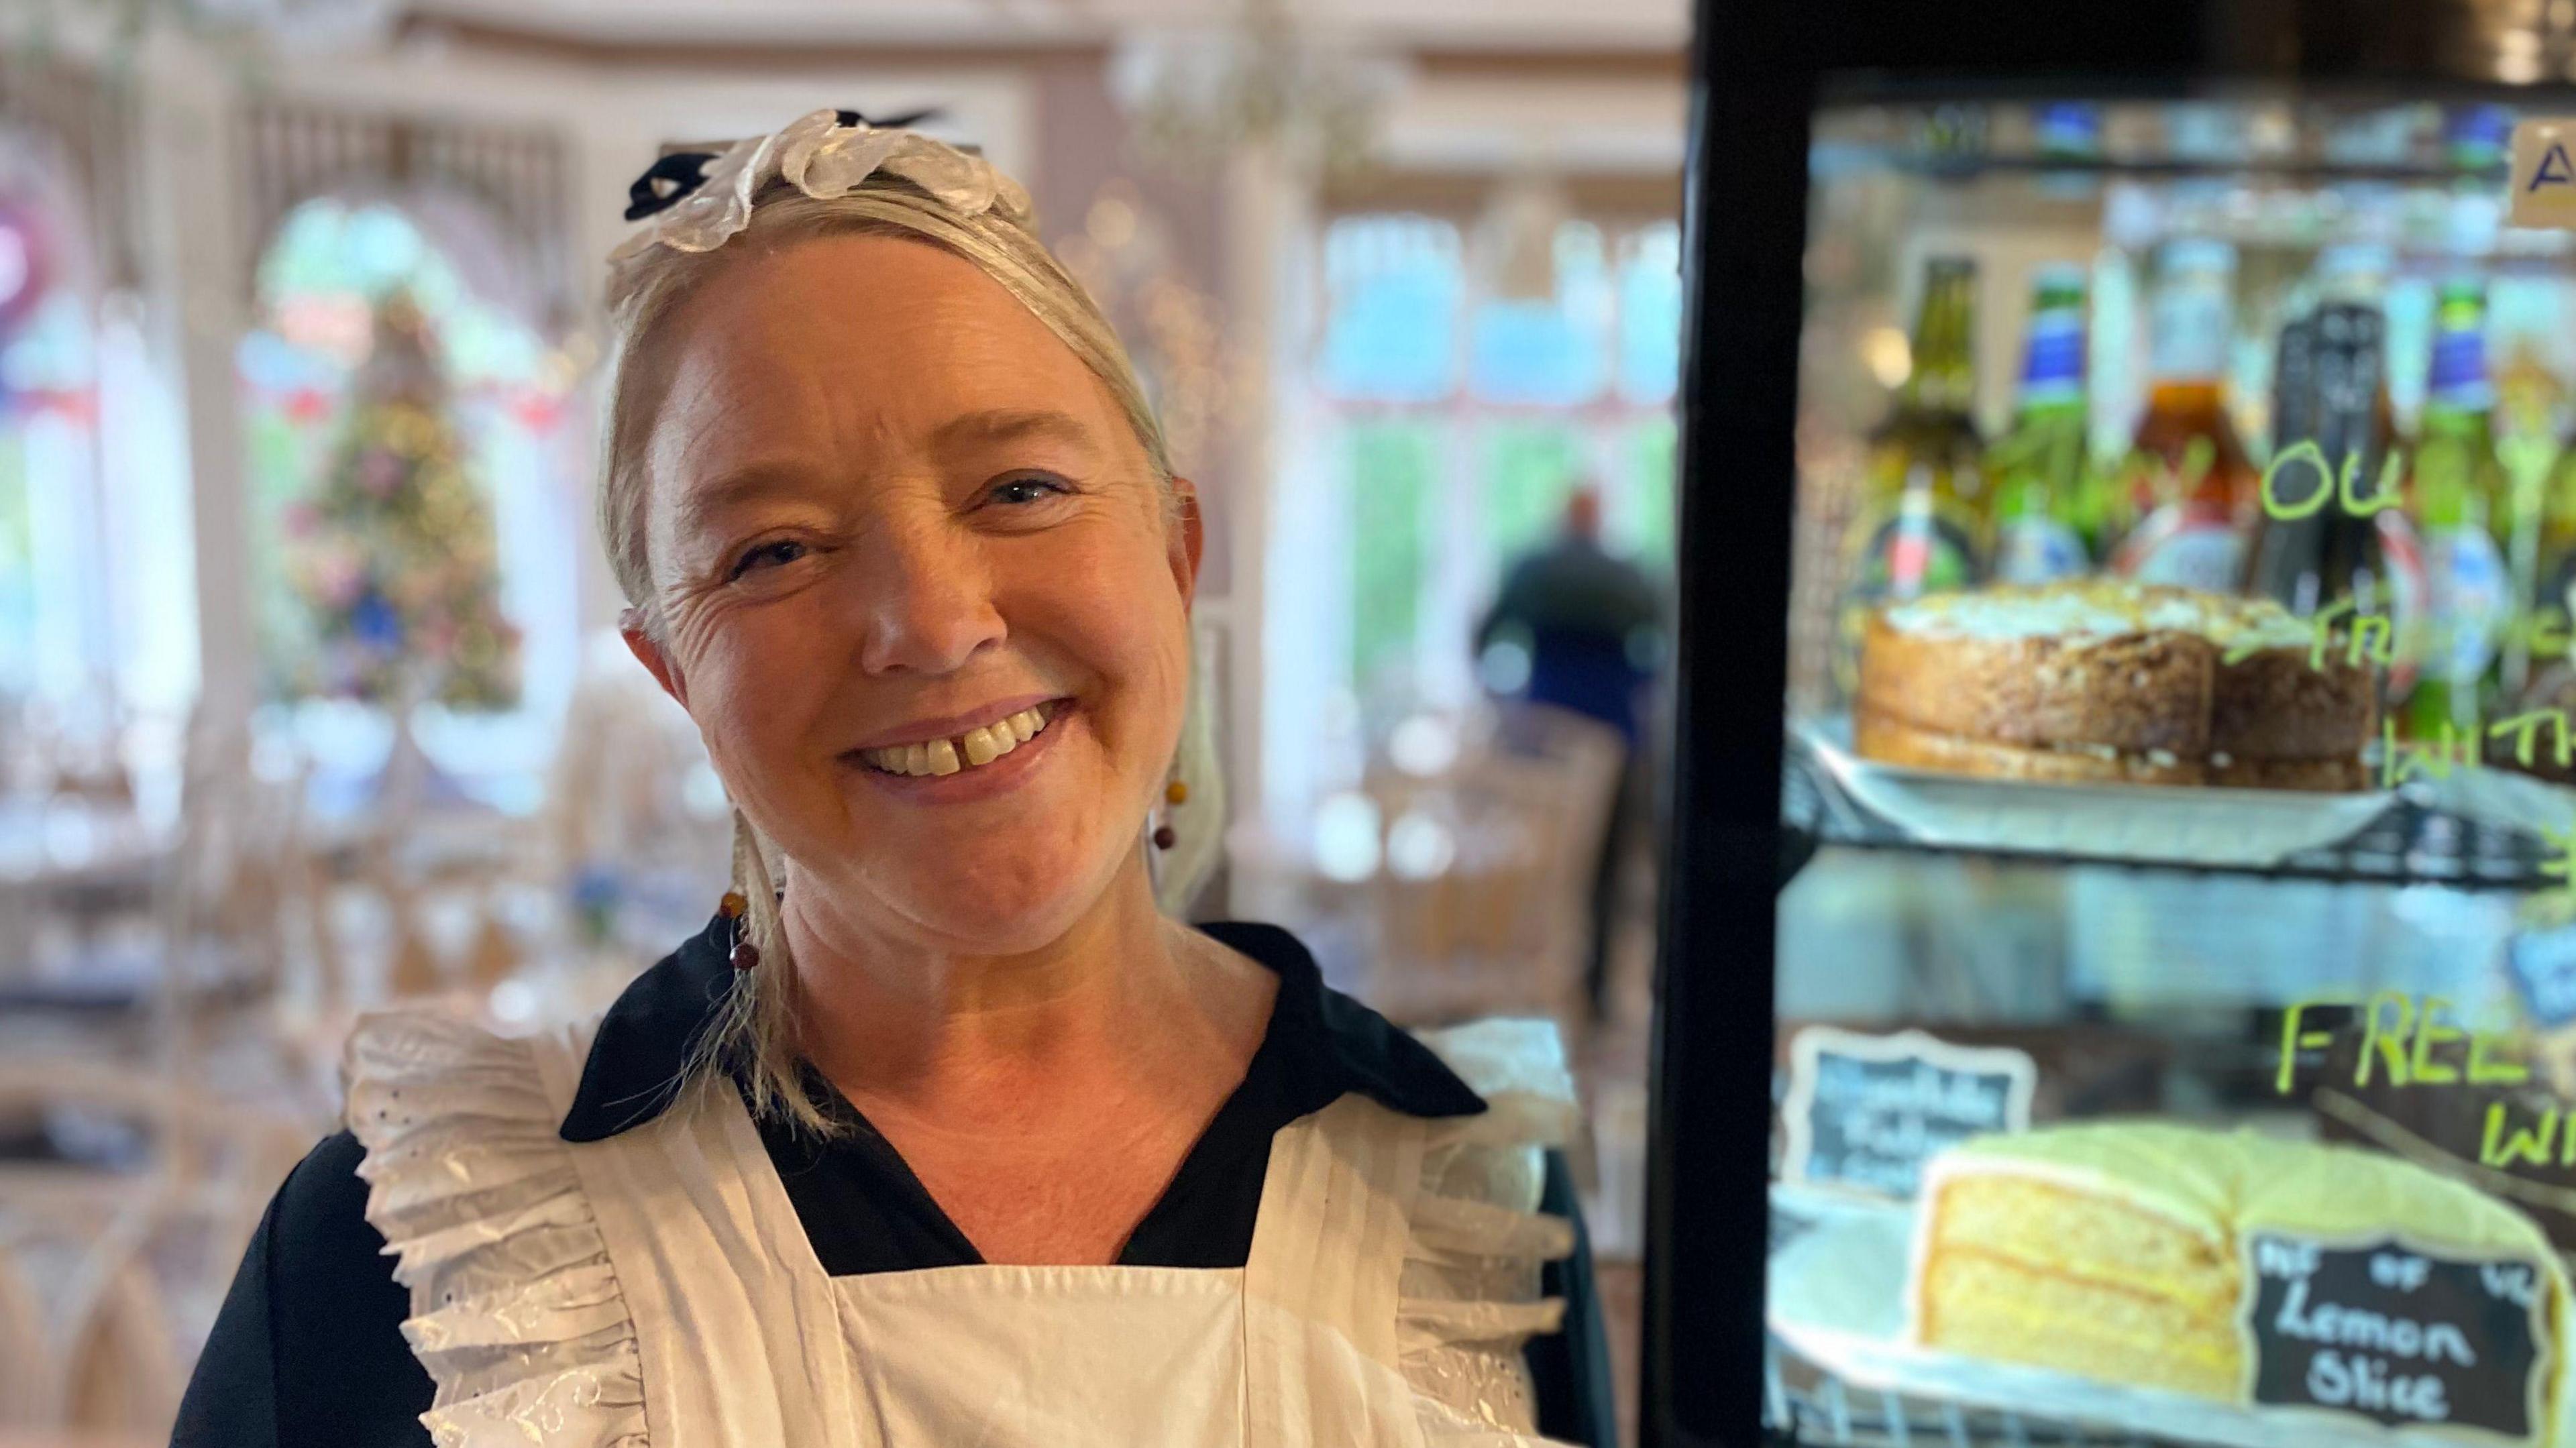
pixel 753 1033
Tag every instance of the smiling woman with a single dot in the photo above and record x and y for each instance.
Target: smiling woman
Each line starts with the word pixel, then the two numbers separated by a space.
pixel 896 528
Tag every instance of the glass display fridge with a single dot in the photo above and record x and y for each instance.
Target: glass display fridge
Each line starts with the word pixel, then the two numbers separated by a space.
pixel 2119 972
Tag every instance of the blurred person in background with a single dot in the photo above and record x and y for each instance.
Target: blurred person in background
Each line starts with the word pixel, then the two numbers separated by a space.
pixel 1582 630
pixel 945 1129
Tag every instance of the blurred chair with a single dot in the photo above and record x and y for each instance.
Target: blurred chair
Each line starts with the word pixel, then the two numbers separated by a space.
pixel 1479 904
pixel 637 836
pixel 110 1270
pixel 620 780
pixel 123 1370
pixel 165 940
pixel 27 1379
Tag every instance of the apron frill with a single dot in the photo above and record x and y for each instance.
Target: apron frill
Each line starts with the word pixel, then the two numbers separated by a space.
pixel 516 1310
pixel 1393 1280
pixel 1470 1286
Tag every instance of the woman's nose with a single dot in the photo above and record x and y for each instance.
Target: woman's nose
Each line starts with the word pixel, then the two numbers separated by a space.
pixel 924 597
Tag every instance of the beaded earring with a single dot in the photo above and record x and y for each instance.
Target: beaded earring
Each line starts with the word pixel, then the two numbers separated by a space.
pixel 735 908
pixel 1174 792
pixel 750 873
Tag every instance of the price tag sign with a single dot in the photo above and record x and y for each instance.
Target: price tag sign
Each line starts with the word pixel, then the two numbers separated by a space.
pixel 1867 1112
pixel 2543 966
pixel 2395 1334
pixel 2543 185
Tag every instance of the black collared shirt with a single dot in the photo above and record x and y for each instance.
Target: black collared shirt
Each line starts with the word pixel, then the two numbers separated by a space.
pixel 309 1351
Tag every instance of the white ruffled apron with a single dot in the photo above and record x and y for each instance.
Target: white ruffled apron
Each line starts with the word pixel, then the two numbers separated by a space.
pixel 656 1290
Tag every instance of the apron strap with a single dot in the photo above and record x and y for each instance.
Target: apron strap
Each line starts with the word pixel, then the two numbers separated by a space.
pixel 737 1323
pixel 1320 1288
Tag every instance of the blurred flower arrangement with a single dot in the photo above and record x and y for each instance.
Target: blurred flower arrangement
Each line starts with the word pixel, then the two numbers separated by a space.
pixel 395 553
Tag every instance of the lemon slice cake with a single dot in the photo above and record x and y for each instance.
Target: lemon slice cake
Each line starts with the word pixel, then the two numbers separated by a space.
pixel 2138 1252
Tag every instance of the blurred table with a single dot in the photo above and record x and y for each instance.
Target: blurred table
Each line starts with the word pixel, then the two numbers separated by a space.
pixel 75 863
pixel 71 841
pixel 40 1438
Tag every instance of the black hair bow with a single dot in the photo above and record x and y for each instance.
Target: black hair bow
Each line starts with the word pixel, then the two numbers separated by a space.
pixel 666 181
pixel 669 180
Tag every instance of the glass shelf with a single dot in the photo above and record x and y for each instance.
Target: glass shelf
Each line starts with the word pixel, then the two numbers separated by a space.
pixel 2409 845
pixel 1819 1409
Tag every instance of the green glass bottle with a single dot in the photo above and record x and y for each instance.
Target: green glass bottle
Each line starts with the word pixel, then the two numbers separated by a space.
pixel 2040 471
pixel 1922 524
pixel 2461 499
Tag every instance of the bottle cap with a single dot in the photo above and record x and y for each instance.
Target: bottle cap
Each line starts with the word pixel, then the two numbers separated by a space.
pixel 2355 267
pixel 2059 276
pixel 2199 254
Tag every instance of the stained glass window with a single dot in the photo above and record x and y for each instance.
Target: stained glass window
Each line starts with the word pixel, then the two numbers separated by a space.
pixel 52 613
pixel 1552 351
pixel 1650 314
pixel 1392 286
pixel 98 641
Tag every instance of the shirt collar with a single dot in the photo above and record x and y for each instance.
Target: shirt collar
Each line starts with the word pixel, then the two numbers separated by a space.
pixel 633 1072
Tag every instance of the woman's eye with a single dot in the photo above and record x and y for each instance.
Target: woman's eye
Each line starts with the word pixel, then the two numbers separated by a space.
pixel 768 555
pixel 1027 490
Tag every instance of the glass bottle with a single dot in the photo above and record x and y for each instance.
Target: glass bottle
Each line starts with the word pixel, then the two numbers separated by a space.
pixel 2461 501
pixel 2195 489
pixel 2331 422
pixel 1922 524
pixel 2551 623
pixel 2040 470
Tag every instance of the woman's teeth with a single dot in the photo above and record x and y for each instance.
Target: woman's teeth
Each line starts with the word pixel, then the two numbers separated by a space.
pixel 965 751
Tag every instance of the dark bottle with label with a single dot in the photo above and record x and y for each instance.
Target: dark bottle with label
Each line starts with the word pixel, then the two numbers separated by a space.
pixel 2332 431
pixel 2330 416
pixel 1922 524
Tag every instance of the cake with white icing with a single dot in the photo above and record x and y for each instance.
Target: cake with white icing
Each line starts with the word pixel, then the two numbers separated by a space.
pixel 2100 680
pixel 2153 1254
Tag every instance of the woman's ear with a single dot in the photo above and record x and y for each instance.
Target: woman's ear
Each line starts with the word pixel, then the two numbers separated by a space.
pixel 649 652
pixel 1187 540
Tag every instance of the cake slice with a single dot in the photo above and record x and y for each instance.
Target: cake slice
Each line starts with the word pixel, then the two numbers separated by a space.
pixel 2119 1251
pixel 2101 1250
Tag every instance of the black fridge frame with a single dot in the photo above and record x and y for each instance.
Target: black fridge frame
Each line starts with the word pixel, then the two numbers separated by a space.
pixel 1758 70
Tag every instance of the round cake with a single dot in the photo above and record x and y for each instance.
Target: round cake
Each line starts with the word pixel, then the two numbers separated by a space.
pixel 2106 681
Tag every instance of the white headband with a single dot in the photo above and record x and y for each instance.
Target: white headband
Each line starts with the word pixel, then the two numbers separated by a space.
pixel 827 154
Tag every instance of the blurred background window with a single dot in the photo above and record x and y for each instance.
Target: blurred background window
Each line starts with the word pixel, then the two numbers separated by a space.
pixel 411 515
pixel 1468 390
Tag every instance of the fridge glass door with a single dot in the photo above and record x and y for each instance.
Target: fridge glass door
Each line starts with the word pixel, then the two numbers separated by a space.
pixel 2177 1016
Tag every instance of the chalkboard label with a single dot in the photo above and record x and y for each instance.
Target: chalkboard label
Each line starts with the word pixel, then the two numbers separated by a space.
pixel 2543 965
pixel 1867 1112
pixel 2391 1332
